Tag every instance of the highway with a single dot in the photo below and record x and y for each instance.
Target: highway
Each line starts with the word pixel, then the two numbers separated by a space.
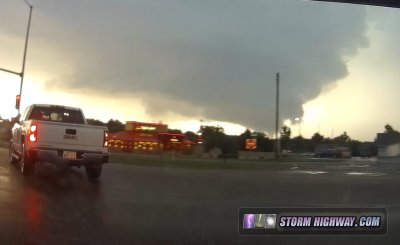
pixel 134 204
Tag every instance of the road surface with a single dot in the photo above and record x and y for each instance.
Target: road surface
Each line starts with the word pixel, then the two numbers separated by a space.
pixel 164 205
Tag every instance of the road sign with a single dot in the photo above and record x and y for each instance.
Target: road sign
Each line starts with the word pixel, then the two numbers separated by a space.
pixel 251 144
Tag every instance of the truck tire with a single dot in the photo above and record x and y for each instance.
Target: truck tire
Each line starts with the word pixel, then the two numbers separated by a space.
pixel 93 172
pixel 27 166
pixel 11 157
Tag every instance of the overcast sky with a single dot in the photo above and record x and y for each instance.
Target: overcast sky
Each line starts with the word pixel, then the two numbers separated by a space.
pixel 183 60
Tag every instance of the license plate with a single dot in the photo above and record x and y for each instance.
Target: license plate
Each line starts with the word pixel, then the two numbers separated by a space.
pixel 69 154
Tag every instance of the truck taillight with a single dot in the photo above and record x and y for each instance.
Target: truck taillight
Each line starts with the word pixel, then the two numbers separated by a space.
pixel 105 142
pixel 32 134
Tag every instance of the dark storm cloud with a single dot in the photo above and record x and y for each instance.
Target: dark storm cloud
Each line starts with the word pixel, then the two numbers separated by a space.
pixel 217 58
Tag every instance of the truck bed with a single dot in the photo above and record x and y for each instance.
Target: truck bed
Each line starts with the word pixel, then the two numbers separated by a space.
pixel 66 136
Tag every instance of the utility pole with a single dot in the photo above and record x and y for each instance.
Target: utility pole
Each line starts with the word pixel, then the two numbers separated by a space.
pixel 277 146
pixel 298 120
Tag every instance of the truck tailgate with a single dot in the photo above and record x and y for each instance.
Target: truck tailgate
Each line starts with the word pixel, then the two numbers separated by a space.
pixel 70 136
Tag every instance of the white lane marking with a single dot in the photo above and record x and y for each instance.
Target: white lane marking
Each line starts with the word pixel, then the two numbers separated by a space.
pixel 360 166
pixel 364 158
pixel 365 174
pixel 310 172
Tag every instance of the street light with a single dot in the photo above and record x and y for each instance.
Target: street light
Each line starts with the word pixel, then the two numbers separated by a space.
pixel 22 73
pixel 298 120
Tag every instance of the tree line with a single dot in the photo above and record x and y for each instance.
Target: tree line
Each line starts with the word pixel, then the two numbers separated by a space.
pixel 230 145
pixel 214 137
pixel 112 125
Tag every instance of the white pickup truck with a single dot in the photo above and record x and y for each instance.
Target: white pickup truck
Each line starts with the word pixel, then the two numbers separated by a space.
pixel 59 135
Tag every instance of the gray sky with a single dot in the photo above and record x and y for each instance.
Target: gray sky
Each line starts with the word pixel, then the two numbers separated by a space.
pixel 198 59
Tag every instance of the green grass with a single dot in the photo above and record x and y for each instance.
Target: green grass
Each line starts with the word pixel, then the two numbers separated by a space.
pixel 198 163
pixel 182 162
pixel 203 163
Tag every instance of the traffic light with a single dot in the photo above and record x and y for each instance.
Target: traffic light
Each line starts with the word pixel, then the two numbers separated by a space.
pixel 17 101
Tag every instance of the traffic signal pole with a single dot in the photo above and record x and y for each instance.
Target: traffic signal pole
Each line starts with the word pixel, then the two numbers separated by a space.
pixel 22 73
pixel 25 50
pixel 12 72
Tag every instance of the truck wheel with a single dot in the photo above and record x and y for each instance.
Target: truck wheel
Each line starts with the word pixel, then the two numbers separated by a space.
pixel 11 157
pixel 93 172
pixel 27 166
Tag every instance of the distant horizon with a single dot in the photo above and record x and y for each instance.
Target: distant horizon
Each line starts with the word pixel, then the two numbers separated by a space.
pixel 235 134
pixel 229 128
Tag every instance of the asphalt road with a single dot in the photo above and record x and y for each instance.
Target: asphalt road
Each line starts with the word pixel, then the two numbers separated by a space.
pixel 165 205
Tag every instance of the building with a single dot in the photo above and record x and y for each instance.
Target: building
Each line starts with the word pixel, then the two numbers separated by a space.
pixel 343 151
pixel 366 149
pixel 171 142
pixel 142 137
pixel 388 144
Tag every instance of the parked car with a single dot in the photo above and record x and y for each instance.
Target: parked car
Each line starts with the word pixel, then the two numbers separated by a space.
pixel 59 135
pixel 328 153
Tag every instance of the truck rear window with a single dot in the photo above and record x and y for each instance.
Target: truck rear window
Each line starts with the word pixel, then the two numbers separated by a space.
pixel 57 114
